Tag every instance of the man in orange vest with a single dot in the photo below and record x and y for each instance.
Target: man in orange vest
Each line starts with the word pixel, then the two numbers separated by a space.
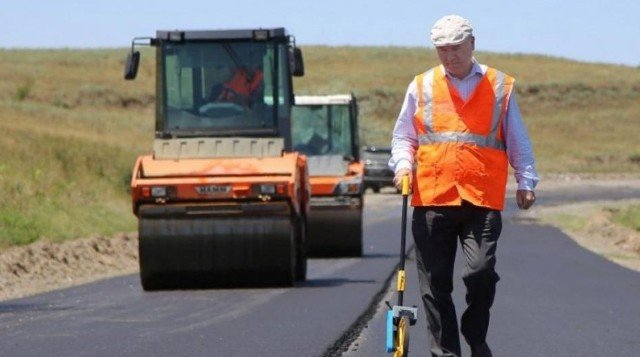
pixel 457 131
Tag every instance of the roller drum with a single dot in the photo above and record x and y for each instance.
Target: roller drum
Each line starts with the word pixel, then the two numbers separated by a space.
pixel 335 230
pixel 208 251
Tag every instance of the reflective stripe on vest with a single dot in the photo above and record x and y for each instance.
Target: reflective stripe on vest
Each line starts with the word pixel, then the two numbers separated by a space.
pixel 461 154
pixel 452 136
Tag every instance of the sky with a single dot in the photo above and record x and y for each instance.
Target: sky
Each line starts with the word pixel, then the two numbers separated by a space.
pixel 583 30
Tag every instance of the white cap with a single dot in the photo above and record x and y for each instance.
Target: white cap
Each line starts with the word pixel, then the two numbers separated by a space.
pixel 451 30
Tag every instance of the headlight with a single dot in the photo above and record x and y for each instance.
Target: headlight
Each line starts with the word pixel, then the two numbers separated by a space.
pixel 270 189
pixel 349 187
pixel 158 191
pixel 267 189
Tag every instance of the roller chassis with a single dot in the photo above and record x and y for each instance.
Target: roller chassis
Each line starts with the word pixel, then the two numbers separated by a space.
pixel 220 231
pixel 223 200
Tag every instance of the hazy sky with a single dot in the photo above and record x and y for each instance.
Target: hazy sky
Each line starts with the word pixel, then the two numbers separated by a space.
pixel 585 30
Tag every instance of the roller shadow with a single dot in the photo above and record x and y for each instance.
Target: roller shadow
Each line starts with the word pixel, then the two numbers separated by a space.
pixel 331 282
pixel 28 307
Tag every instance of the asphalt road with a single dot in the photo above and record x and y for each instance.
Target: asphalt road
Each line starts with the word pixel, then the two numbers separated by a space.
pixel 115 317
pixel 554 298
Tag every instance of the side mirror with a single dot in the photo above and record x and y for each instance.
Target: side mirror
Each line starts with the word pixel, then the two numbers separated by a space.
pixel 298 64
pixel 131 66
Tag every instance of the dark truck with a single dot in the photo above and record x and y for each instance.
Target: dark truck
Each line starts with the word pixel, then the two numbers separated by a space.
pixel 377 173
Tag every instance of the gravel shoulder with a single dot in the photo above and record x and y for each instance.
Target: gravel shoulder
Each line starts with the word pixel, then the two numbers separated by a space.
pixel 45 266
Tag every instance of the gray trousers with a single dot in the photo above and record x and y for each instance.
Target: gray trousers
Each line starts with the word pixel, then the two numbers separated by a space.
pixel 436 231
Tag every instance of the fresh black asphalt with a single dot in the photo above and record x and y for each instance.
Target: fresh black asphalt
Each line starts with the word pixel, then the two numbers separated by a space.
pixel 554 298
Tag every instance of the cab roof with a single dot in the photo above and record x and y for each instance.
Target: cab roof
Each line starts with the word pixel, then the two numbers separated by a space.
pixel 239 34
pixel 324 99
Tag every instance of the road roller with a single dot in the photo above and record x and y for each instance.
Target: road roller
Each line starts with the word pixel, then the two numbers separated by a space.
pixel 223 199
pixel 325 128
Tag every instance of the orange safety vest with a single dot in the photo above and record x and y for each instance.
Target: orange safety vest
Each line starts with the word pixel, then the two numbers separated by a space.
pixel 241 86
pixel 461 153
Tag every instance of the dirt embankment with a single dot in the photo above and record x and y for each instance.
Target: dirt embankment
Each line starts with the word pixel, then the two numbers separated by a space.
pixel 45 266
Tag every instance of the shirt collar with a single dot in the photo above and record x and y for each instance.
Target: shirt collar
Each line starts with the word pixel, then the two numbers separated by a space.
pixel 476 69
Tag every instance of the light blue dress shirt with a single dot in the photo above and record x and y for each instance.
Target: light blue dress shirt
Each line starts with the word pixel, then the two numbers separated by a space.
pixel 519 151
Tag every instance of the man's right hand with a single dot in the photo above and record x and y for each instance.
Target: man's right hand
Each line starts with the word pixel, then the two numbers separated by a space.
pixel 397 180
pixel 525 198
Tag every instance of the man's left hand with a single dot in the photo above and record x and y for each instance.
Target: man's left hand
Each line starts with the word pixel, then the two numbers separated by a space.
pixel 525 198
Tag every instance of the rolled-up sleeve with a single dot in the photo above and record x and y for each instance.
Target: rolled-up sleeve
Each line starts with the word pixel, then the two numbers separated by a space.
pixel 405 138
pixel 519 149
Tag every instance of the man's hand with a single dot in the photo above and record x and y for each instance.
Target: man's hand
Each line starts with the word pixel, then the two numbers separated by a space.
pixel 397 180
pixel 525 198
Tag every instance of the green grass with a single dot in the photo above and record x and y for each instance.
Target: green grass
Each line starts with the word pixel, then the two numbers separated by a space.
pixel 62 185
pixel 72 127
pixel 628 217
pixel 71 130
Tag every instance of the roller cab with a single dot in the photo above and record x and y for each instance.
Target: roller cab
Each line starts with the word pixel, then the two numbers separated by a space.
pixel 325 128
pixel 223 198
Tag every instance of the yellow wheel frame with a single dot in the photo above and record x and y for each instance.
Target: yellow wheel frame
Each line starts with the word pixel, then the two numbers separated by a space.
pixel 402 338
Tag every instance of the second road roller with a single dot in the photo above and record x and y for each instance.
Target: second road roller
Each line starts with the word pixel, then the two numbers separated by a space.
pixel 326 130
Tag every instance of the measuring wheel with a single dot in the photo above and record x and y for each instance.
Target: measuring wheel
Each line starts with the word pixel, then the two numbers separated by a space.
pixel 399 317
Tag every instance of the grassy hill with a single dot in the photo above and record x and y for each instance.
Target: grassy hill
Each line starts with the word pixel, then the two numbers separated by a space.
pixel 71 127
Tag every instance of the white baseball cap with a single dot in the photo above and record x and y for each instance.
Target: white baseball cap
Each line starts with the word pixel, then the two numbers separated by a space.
pixel 451 30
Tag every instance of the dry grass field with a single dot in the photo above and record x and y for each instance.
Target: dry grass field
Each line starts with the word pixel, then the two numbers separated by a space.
pixel 71 127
